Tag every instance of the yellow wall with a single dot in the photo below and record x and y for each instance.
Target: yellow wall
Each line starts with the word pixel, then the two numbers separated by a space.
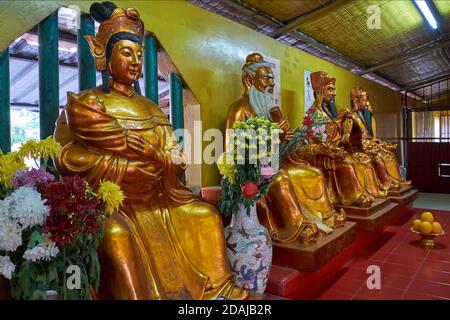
pixel 209 51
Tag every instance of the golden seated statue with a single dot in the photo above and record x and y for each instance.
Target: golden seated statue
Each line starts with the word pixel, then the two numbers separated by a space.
pixel 351 177
pixel 164 243
pixel 384 158
pixel 297 195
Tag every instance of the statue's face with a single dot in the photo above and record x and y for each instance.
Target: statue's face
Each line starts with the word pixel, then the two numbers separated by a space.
pixel 125 65
pixel 362 101
pixel 264 79
pixel 330 93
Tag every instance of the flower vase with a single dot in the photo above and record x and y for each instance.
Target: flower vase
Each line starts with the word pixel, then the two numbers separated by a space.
pixel 249 250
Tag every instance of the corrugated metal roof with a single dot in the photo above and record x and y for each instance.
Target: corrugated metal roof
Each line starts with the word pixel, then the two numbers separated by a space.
pixel 337 31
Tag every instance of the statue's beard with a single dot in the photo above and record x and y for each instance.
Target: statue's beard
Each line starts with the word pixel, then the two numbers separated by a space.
pixel 261 102
pixel 331 107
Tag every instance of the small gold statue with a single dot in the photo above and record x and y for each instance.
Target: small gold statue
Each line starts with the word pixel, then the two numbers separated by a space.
pixel 297 194
pixel 383 153
pixel 164 243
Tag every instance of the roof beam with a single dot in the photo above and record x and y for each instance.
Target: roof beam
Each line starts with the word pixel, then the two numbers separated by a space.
pixel 321 10
pixel 244 7
pixel 418 84
pixel 407 56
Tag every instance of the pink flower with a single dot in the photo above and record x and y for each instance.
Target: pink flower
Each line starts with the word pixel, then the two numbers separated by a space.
pixel 31 178
pixel 267 172
pixel 308 120
pixel 310 110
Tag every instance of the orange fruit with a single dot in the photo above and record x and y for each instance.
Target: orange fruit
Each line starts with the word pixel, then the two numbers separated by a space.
pixel 426 227
pixel 427 216
pixel 436 227
pixel 416 224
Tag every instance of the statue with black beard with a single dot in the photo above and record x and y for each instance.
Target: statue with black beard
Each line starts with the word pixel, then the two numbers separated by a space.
pixel 350 175
pixel 297 204
pixel 382 153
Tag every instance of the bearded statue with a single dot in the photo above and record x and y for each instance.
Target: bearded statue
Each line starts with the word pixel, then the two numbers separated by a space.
pixel 383 153
pixel 297 201
pixel 350 175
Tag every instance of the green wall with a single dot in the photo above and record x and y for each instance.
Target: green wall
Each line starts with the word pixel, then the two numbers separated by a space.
pixel 209 50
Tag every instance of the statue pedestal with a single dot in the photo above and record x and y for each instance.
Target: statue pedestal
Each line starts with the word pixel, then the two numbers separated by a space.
pixel 404 195
pixel 312 256
pixel 371 218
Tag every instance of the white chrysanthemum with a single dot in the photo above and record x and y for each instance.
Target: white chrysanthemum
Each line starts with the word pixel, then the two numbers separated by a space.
pixel 43 251
pixel 27 207
pixel 319 129
pixel 4 208
pixel 10 234
pixel 6 267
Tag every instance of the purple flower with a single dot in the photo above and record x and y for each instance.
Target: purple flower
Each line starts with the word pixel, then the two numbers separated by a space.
pixel 31 178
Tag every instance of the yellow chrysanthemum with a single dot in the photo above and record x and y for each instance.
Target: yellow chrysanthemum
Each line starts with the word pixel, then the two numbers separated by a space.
pixel 28 149
pixel 46 148
pixel 9 164
pixel 49 148
pixel 226 166
pixel 111 194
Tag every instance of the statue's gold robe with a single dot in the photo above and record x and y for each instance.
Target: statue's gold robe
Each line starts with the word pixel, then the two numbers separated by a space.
pixel 163 243
pixel 296 195
pixel 351 177
pixel 385 160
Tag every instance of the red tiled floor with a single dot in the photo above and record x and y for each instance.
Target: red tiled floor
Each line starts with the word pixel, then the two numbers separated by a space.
pixel 408 271
pixel 441 255
pixel 355 273
pixel 394 281
pixel 347 285
pixel 437 265
pixel 411 261
pixel 430 288
pixel 335 295
pixel 398 269
pixel 433 275
pixel 364 263
pixel 385 293
pixel 379 256
pixel 419 296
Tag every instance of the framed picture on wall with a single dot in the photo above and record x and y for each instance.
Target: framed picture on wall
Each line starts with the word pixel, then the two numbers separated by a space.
pixel 309 92
pixel 275 65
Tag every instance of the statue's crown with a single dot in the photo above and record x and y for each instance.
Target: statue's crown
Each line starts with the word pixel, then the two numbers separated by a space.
pixel 122 20
pixel 320 79
pixel 112 21
pixel 253 58
pixel 357 92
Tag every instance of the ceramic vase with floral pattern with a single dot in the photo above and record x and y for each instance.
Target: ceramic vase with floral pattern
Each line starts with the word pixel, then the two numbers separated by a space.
pixel 249 250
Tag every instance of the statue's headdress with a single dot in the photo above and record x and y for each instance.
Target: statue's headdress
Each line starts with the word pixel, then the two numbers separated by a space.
pixel 355 96
pixel 253 58
pixel 115 24
pixel 319 80
pixel 252 63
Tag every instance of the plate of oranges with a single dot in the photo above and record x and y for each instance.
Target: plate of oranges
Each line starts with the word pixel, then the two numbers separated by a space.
pixel 428 228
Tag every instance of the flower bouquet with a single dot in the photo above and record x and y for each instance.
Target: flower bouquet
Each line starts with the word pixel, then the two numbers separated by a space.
pixel 50 229
pixel 247 168
pixel 247 165
pixel 313 128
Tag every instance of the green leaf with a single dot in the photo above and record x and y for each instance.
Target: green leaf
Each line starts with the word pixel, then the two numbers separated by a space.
pixel 35 239
pixel 37 295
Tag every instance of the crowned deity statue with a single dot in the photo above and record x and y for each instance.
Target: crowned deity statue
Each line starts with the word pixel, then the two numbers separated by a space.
pixel 297 204
pixel 351 177
pixel 383 153
pixel 164 242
